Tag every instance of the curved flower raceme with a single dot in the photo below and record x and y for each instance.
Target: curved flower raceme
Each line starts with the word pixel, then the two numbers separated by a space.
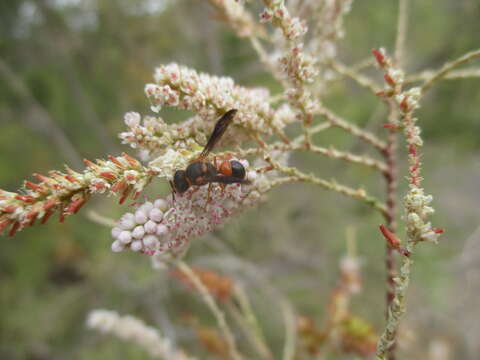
pixel 132 329
pixel 165 227
pixel 210 96
pixel 67 192
pixel 153 137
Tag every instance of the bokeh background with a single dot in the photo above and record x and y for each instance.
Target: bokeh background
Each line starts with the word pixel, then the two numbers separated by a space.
pixel 70 69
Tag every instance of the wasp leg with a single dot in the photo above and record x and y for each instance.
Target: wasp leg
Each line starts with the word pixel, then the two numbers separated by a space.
pixel 173 191
pixel 209 195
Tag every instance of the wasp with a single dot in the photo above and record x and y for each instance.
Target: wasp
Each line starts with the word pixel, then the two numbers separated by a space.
pixel 201 172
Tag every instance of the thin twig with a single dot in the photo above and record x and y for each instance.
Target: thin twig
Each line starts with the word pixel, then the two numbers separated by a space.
pixel 337 121
pixel 210 302
pixel 448 67
pixel 361 194
pixel 249 323
pixel 391 175
pixel 360 79
pixel 335 154
pixel 290 331
pixel 452 75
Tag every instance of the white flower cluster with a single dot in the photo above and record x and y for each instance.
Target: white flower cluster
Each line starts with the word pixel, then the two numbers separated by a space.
pixel 292 27
pixel 299 67
pixel 409 100
pixel 165 227
pixel 157 141
pixel 417 211
pixel 132 329
pixel 210 96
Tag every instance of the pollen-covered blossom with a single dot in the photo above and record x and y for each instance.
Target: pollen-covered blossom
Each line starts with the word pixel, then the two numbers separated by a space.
pixel 132 329
pixel 210 96
pixel 67 192
pixel 165 227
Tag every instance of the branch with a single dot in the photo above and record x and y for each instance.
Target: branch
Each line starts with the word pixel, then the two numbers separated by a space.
pixel 212 305
pixel 448 67
pixel 337 121
pixel 297 175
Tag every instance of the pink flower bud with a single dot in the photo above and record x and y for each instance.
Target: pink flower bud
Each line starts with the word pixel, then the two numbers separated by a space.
pixel 161 230
pixel 125 237
pixel 150 241
pixel 136 245
pixel 150 227
pixel 138 232
pixel 115 232
pixel 117 246
pixel 155 215
pixel 141 217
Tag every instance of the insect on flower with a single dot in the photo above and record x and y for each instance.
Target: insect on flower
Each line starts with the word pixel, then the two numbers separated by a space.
pixel 201 172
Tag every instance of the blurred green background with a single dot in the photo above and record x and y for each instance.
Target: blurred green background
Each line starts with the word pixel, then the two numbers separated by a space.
pixel 70 69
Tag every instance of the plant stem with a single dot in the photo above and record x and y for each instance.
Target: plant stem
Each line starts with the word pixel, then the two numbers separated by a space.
pixel 208 299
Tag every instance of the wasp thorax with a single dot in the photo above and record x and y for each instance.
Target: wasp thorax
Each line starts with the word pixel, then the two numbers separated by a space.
pixel 199 172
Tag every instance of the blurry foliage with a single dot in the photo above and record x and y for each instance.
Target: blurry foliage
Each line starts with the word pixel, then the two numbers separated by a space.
pixel 86 62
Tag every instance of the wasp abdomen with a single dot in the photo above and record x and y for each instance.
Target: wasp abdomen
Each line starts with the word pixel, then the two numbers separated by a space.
pixel 238 170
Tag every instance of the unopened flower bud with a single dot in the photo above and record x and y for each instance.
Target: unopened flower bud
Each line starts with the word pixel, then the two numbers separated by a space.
pixel 155 215
pixel 138 232
pixel 150 241
pixel 140 217
pixel 125 237
pixel 150 227
pixel 136 245
pixel 116 231
pixel 161 230
pixel 117 246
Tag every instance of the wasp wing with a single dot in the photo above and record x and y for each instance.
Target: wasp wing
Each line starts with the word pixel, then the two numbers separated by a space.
pixel 220 128
pixel 222 179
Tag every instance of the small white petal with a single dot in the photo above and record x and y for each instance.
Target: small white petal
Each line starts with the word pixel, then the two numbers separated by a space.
pixel 125 237
pixel 156 215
